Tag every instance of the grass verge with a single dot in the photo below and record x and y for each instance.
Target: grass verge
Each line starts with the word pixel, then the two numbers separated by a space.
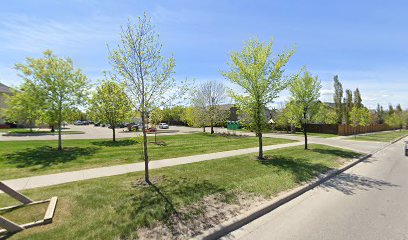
pixel 380 136
pixel 26 214
pixel 28 158
pixel 119 207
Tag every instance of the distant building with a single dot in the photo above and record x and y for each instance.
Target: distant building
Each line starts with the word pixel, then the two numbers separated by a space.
pixel 3 90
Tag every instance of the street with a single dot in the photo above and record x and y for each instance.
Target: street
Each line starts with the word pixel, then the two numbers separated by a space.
pixel 369 201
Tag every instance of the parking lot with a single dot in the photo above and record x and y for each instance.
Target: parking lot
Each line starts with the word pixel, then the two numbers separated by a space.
pixel 92 132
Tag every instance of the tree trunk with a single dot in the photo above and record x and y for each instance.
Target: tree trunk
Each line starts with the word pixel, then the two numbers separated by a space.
pixel 260 155
pixel 305 130
pixel 114 134
pixel 155 137
pixel 146 155
pixel 204 129
pixel 212 127
pixel 59 129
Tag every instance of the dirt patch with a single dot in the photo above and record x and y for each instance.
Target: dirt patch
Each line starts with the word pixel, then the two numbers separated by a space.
pixel 198 217
pixel 231 135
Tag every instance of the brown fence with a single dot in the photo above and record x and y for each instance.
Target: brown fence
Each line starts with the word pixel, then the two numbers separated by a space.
pixel 322 128
pixel 345 130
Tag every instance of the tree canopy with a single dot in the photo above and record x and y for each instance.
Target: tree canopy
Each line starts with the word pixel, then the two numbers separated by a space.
pixel 261 77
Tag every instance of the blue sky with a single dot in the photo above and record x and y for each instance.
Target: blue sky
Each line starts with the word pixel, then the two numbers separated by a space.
pixel 364 42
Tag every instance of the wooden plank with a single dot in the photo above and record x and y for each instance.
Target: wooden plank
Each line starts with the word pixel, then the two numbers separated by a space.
pixel 49 214
pixel 14 194
pixel 9 225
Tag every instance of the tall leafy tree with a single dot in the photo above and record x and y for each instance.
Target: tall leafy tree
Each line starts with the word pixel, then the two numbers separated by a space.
pixel 208 97
pixel 24 105
pixel 380 114
pixel 396 118
pixel 357 99
pixel 325 114
pixel 391 110
pixel 59 83
pixel 261 77
pixel 348 105
pixel 305 92
pixel 338 97
pixel 139 63
pixel 110 104
pixel 195 117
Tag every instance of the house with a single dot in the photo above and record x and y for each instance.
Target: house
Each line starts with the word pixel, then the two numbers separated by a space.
pixel 3 90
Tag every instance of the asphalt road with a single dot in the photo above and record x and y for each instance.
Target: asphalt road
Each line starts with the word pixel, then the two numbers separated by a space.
pixel 369 201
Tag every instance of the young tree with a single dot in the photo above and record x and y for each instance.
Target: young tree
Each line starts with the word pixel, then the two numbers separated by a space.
pixel 59 83
pixel 337 97
pixel 110 104
pixel 260 77
pixel 155 118
pixel 208 98
pixel 305 92
pixel 360 116
pixel 140 65
pixel 24 106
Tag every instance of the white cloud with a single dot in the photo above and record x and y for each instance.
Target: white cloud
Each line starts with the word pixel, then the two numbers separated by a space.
pixel 32 34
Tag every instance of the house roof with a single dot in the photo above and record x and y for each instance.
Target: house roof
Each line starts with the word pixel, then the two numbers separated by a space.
pixel 4 89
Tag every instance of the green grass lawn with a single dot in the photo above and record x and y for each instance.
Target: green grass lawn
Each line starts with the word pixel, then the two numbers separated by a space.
pixel 28 158
pixel 9 129
pixel 320 135
pixel 381 136
pixel 26 214
pixel 115 208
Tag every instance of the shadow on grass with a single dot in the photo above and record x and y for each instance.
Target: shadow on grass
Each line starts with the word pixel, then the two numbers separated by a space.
pixel 46 156
pixel 337 152
pixel 161 201
pixel 118 143
pixel 301 169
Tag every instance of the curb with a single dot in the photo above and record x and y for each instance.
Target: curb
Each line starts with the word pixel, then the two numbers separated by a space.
pixel 247 217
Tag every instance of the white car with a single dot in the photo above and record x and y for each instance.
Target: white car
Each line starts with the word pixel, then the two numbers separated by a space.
pixel 163 126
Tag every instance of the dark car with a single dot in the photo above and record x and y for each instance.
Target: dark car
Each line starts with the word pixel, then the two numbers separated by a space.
pixel 406 149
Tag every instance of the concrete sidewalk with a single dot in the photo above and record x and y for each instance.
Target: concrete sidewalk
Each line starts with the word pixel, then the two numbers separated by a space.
pixel 66 177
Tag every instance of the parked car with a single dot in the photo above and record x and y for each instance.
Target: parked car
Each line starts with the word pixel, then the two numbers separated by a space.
pixel 97 124
pixel 79 122
pixel 406 149
pixel 151 130
pixel 163 126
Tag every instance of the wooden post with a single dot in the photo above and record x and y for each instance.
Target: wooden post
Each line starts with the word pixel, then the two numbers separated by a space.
pixel 14 194
pixel 9 225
